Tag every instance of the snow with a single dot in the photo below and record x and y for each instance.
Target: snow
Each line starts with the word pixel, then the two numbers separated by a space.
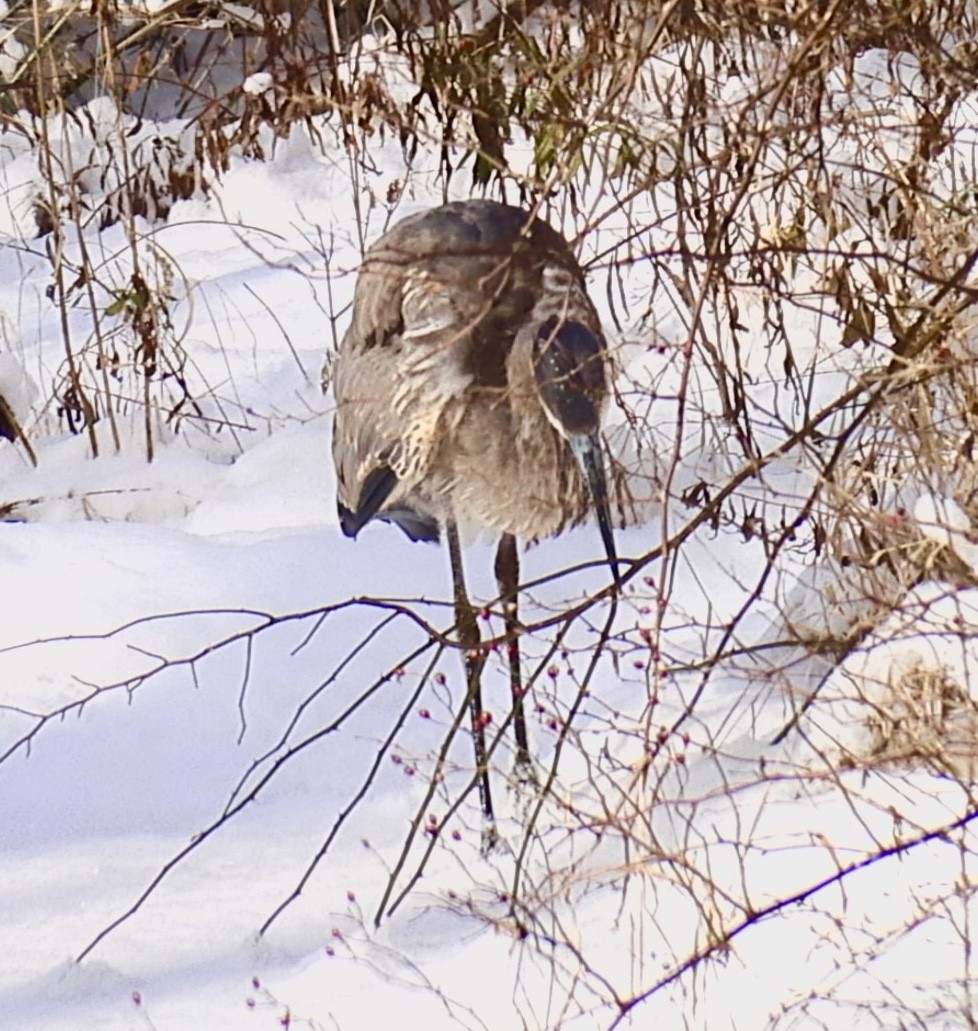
pixel 195 664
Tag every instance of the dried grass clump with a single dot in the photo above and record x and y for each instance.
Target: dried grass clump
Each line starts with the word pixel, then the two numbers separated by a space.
pixel 926 718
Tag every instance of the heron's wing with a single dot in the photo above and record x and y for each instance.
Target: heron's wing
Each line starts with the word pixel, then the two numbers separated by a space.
pixel 465 277
pixel 400 366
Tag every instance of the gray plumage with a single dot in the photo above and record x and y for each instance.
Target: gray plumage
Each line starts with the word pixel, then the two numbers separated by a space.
pixel 470 384
pixel 469 390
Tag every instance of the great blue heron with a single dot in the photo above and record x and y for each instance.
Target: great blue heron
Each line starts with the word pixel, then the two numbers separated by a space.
pixel 469 390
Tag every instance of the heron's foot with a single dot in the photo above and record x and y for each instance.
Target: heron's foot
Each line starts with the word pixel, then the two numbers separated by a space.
pixel 525 776
pixel 490 838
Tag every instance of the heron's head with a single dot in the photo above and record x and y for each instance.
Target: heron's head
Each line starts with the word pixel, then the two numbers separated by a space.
pixel 569 366
pixel 568 362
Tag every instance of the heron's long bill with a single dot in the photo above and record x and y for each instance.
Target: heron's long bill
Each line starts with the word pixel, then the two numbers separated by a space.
pixel 587 450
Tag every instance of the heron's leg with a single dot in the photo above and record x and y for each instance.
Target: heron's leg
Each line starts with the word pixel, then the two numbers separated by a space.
pixel 470 640
pixel 508 579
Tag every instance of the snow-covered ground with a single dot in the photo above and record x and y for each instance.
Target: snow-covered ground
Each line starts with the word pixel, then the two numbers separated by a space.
pixel 209 692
